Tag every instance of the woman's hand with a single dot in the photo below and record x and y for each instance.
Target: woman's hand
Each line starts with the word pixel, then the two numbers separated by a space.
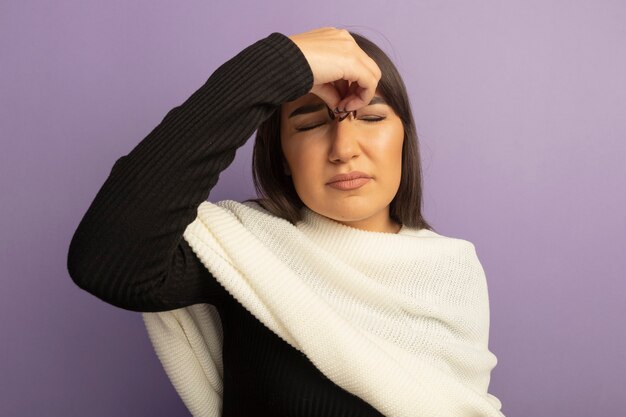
pixel 344 76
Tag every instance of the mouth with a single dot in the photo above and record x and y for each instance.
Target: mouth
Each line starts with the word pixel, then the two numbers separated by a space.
pixel 351 184
pixel 353 175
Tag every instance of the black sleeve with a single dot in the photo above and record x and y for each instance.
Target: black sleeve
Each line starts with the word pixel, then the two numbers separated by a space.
pixel 128 249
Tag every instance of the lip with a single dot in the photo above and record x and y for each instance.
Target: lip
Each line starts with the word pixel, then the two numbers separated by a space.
pixel 348 177
pixel 350 184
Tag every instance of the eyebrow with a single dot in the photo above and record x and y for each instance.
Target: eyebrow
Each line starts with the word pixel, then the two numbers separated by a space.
pixel 312 108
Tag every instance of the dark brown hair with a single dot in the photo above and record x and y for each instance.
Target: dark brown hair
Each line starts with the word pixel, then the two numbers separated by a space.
pixel 276 190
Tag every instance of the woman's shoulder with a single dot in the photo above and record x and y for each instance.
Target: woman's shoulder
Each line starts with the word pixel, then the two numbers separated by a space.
pixel 413 231
pixel 246 212
pixel 451 241
pixel 228 204
pixel 250 205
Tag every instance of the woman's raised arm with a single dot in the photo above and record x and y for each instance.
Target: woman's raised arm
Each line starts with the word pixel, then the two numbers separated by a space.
pixel 128 249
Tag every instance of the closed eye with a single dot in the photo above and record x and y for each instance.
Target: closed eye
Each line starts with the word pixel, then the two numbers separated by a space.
pixel 369 119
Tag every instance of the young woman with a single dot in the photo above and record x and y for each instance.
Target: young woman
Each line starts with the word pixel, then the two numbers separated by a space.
pixel 329 295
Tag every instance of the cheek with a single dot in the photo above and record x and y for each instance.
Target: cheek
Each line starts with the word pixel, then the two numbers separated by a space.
pixel 388 151
pixel 290 153
pixel 396 144
pixel 300 155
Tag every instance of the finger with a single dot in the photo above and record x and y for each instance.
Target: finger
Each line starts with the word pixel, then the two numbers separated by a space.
pixel 353 90
pixel 328 93
pixel 373 66
pixel 366 82
pixel 366 92
pixel 348 94
pixel 360 94
pixel 342 87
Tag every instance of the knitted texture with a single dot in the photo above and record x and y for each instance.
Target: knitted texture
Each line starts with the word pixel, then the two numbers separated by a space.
pixel 400 320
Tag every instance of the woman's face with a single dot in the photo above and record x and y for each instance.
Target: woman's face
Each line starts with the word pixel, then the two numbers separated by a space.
pixel 370 143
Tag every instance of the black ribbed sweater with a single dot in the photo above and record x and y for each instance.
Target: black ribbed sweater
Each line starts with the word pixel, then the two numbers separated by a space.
pixel 129 251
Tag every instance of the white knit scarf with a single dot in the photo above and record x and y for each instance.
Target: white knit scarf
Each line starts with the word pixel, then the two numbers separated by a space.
pixel 400 320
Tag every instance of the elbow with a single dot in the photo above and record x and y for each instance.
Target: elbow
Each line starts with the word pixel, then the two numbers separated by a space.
pixel 74 264
pixel 106 287
pixel 84 268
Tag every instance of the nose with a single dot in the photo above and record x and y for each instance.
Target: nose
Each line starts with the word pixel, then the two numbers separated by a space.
pixel 344 144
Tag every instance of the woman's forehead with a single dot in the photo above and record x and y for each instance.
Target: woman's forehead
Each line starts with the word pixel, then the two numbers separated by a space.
pixel 307 98
pixel 312 98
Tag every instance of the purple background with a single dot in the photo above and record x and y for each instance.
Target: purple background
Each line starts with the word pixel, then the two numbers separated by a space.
pixel 520 108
